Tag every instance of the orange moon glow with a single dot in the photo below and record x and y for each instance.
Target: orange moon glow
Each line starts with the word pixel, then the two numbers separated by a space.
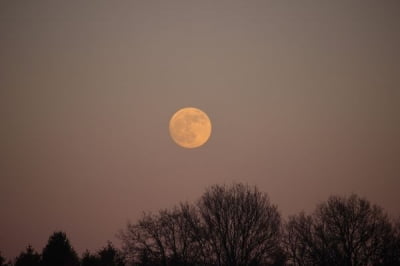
pixel 190 127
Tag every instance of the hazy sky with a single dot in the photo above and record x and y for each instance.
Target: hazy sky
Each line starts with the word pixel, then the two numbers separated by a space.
pixel 304 97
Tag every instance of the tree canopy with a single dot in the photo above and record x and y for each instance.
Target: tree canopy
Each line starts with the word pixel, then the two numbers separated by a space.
pixel 229 225
pixel 28 258
pixel 59 252
pixel 237 225
pixel 341 231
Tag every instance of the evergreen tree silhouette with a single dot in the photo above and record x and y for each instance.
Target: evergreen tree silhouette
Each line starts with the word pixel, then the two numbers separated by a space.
pixel 89 259
pixel 59 252
pixel 28 258
pixel 109 256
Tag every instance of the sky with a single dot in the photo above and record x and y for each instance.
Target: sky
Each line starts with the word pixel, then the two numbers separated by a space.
pixel 303 97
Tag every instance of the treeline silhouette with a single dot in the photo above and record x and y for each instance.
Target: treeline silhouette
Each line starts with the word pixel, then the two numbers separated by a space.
pixel 237 225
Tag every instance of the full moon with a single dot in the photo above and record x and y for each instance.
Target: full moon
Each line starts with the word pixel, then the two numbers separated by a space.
pixel 190 127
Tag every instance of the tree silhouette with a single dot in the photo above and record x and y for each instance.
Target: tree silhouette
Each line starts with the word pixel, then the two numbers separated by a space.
pixel 28 258
pixel 298 240
pixel 162 239
pixel 392 248
pixel 59 252
pixel 89 259
pixel 2 260
pixel 240 225
pixel 109 256
pixel 233 225
pixel 341 231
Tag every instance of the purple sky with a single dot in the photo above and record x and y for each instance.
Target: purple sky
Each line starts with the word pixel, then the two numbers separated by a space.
pixel 304 98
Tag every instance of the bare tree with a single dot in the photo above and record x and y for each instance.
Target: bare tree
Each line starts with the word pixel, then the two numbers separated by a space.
pixel 162 239
pixel 143 237
pixel 298 240
pixel 240 225
pixel 391 252
pixel 233 225
pixel 342 231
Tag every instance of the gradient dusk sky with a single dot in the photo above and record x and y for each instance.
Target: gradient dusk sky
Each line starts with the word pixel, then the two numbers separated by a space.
pixel 304 97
